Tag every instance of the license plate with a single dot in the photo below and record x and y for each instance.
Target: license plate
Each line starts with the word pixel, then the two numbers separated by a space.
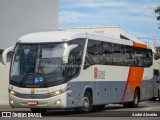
pixel 32 102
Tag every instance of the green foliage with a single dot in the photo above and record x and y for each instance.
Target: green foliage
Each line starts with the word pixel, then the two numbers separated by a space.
pixel 157 10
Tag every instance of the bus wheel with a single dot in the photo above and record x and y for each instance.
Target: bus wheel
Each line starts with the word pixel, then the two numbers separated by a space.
pixel 38 110
pixel 86 103
pixel 126 105
pixel 158 95
pixel 136 98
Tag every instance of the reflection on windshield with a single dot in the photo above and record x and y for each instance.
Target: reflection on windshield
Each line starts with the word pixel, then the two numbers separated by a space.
pixel 42 60
pixel 41 65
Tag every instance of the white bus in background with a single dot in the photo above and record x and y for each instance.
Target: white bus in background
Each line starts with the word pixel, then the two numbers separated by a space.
pixel 156 82
pixel 63 69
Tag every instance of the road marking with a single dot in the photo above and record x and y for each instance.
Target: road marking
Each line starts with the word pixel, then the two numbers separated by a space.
pixel 151 108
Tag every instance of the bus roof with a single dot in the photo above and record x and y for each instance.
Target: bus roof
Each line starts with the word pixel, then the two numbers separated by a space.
pixel 51 36
pixel 62 36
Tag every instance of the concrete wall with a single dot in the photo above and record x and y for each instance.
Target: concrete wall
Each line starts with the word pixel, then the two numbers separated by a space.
pixel 4 80
pixel 113 31
pixel 109 31
pixel 20 17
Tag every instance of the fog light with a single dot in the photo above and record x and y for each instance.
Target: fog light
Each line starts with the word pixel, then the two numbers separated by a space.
pixel 57 102
pixel 12 102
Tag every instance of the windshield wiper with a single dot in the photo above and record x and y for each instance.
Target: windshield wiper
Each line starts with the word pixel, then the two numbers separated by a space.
pixel 25 78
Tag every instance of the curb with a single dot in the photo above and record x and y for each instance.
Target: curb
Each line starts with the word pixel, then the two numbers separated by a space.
pixel 4 106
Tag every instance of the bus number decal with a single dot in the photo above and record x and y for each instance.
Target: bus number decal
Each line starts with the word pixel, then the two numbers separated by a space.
pixel 99 74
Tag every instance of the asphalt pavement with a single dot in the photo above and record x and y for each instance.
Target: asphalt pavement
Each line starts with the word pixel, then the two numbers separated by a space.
pixel 148 110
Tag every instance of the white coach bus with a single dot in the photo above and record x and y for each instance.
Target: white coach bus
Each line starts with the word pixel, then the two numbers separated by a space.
pixel 57 70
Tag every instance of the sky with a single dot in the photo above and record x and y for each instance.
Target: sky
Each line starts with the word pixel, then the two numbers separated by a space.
pixel 135 16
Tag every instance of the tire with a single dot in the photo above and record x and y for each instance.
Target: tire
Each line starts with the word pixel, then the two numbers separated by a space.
pixel 136 98
pixel 126 105
pixel 153 99
pixel 86 103
pixel 158 95
pixel 135 101
pixel 38 110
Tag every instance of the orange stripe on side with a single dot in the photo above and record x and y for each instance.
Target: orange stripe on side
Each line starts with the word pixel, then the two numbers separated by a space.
pixel 139 45
pixel 134 80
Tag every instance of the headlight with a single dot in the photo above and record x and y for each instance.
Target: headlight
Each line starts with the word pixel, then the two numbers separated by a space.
pixel 54 93
pixel 12 92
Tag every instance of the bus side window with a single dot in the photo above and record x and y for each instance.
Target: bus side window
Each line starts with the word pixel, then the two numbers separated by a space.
pixel 108 53
pixel 75 59
pixel 128 57
pixel 102 55
pixel 92 54
pixel 147 58
pixel 150 56
pixel 139 62
pixel 118 55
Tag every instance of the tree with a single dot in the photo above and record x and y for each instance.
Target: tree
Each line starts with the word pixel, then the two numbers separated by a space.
pixel 157 10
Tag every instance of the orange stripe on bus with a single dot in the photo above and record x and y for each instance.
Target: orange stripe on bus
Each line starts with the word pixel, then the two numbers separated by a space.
pixel 134 80
pixel 139 45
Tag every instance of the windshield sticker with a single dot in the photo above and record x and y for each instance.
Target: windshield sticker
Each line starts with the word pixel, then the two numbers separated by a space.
pixel 38 79
pixel 33 90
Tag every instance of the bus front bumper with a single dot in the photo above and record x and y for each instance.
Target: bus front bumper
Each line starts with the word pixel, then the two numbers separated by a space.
pixel 58 101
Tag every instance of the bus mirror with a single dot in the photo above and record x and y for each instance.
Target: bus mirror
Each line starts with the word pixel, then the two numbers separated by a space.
pixel 4 54
pixel 67 51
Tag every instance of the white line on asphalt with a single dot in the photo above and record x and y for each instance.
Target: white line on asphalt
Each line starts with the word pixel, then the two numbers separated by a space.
pixel 151 108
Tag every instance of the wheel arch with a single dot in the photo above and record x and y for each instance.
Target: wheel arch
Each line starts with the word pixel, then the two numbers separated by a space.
pixel 88 89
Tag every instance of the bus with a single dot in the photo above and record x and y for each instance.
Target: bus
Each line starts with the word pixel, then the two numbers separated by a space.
pixel 78 70
pixel 156 83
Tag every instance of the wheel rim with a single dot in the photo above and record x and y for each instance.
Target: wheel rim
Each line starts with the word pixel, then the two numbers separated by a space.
pixel 85 104
pixel 136 99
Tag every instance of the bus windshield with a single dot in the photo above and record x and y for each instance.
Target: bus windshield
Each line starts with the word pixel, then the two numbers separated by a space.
pixel 41 65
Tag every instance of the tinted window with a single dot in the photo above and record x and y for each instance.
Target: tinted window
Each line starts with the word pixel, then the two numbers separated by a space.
pixel 93 53
pixel 147 57
pixel 138 56
pixel 118 55
pixel 108 53
pixel 104 53
pixel 75 59
pixel 128 56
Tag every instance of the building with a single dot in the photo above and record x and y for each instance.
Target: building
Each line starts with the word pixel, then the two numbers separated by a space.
pixel 113 31
pixel 20 17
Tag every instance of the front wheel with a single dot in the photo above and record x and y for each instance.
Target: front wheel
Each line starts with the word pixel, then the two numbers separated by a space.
pixel 86 103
